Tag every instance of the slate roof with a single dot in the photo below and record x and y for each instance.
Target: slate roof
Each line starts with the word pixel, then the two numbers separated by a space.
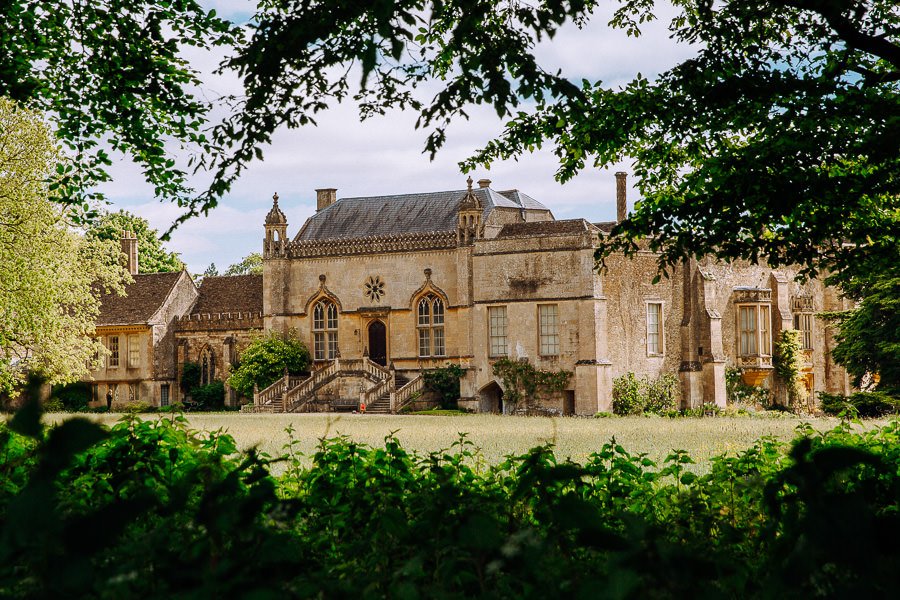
pixel 606 226
pixel 234 293
pixel 407 213
pixel 143 298
pixel 564 227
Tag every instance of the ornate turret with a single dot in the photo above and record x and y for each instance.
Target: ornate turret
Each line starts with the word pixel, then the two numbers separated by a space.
pixel 470 211
pixel 275 243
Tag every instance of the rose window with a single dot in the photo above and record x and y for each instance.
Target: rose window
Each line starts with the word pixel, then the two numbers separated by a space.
pixel 374 288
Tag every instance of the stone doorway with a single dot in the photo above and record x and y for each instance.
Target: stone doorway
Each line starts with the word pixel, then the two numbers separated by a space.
pixel 491 398
pixel 378 342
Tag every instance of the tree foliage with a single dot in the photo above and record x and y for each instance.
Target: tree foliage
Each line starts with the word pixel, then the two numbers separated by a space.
pixel 249 265
pixel 114 73
pixel 777 141
pixel 152 256
pixel 266 359
pixel 50 276
pixel 867 340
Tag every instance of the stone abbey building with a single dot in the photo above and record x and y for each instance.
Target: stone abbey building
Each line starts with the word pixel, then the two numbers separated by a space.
pixel 384 287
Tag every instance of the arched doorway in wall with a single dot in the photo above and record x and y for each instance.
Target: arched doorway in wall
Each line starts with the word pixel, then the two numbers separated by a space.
pixel 377 335
pixel 490 398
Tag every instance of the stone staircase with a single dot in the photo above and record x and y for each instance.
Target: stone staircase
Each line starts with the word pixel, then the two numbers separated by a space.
pixel 389 392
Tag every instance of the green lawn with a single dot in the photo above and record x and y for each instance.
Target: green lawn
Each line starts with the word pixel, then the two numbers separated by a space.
pixel 499 436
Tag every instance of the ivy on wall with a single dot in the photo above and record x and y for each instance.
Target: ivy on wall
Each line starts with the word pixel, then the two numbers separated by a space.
pixel 524 384
pixel 788 362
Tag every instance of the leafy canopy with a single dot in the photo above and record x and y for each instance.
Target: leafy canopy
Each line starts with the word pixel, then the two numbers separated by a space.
pixel 778 141
pixel 266 359
pixel 250 265
pixel 867 340
pixel 152 256
pixel 50 276
pixel 114 73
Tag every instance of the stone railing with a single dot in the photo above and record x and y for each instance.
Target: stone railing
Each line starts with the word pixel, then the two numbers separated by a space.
pixel 301 394
pixel 401 242
pixel 267 399
pixel 376 391
pixel 376 370
pixel 404 395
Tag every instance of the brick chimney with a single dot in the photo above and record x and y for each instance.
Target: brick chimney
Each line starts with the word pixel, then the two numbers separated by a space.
pixel 130 250
pixel 621 202
pixel 484 183
pixel 325 197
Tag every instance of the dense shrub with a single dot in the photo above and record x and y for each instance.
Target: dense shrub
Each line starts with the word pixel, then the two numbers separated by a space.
pixel 445 382
pixel 864 404
pixel 190 377
pixel 266 359
pixel 635 396
pixel 72 397
pixel 210 396
pixel 152 509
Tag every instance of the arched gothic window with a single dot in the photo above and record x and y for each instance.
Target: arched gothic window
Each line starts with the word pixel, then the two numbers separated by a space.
pixel 430 326
pixel 207 366
pixel 325 330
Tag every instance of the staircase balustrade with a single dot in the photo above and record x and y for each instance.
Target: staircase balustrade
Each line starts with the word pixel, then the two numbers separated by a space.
pixel 301 394
pixel 377 391
pixel 404 395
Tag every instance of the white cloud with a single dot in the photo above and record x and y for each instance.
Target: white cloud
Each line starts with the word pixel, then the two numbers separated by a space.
pixel 384 155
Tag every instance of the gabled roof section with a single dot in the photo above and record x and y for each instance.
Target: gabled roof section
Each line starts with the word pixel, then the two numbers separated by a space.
pixel 539 228
pixel 142 299
pixel 407 213
pixel 230 294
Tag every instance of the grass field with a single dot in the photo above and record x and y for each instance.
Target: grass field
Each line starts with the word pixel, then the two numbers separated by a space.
pixel 498 436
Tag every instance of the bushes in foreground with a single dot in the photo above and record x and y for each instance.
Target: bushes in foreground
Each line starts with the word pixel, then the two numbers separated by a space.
pixel 156 510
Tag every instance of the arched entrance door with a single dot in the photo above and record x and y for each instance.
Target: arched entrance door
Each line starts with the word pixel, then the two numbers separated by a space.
pixel 378 343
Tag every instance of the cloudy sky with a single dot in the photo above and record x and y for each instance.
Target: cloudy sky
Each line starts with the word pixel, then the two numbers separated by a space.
pixel 384 155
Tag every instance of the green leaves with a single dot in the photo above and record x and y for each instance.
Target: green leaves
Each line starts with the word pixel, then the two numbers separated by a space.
pixel 154 509
pixel 266 360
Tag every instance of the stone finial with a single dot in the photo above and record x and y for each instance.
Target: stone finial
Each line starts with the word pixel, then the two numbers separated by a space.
pixel 275 216
pixel 469 183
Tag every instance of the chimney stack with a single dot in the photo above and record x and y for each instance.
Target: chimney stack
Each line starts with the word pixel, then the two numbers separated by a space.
pixel 621 202
pixel 130 249
pixel 325 197
pixel 484 183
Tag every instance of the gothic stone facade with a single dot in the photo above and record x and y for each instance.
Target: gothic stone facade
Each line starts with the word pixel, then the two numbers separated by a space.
pixel 470 276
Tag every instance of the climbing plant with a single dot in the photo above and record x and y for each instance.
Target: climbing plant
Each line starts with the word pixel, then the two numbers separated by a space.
pixel 788 363
pixel 524 384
